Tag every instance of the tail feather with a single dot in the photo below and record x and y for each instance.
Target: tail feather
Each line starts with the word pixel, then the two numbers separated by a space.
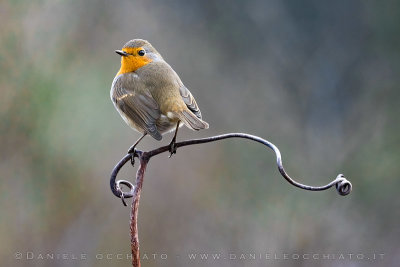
pixel 192 121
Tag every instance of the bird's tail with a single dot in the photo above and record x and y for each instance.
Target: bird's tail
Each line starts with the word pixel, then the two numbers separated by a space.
pixel 191 120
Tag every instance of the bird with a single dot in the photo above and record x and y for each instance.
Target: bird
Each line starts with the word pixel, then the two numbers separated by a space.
pixel 150 96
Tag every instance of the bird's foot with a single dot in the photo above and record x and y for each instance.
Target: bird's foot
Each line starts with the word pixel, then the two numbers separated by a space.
pixel 172 148
pixel 132 152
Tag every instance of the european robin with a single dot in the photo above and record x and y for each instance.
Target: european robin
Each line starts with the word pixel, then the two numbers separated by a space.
pixel 150 96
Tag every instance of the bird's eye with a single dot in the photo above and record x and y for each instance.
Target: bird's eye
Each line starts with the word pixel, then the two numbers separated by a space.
pixel 141 52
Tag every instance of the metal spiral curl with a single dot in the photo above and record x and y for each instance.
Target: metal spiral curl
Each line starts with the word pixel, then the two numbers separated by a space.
pixel 116 185
pixel 343 186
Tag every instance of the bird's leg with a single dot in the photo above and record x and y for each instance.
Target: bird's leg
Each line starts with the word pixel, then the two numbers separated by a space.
pixel 132 149
pixel 172 145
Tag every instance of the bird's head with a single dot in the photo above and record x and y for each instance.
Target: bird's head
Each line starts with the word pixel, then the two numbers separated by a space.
pixel 136 54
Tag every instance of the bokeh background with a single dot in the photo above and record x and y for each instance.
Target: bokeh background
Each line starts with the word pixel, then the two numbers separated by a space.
pixel 320 79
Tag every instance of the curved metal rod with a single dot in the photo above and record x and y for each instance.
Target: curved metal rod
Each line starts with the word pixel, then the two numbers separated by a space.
pixel 115 185
pixel 343 186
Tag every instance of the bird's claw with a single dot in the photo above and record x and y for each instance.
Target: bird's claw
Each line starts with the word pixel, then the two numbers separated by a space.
pixel 132 152
pixel 133 160
pixel 172 148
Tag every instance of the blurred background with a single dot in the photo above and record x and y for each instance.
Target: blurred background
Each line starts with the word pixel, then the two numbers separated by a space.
pixel 319 79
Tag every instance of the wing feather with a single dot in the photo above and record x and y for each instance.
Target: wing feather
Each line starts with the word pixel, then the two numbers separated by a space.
pixel 141 108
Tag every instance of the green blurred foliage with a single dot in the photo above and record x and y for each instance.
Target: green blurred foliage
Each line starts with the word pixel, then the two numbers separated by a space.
pixel 319 79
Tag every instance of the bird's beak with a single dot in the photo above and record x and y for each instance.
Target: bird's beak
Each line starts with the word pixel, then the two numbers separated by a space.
pixel 121 53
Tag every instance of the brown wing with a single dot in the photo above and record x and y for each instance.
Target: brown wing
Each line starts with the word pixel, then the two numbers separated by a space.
pixel 140 108
pixel 190 101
